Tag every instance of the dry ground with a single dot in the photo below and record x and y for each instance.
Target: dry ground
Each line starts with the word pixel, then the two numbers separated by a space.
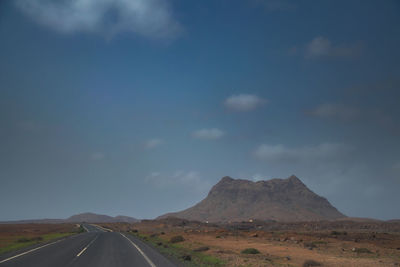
pixel 362 248
pixel 15 236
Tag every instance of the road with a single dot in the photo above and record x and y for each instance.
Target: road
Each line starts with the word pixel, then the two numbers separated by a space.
pixel 97 247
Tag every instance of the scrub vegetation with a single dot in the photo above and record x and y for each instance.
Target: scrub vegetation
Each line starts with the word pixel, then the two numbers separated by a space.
pixel 175 248
pixel 17 236
pixel 347 243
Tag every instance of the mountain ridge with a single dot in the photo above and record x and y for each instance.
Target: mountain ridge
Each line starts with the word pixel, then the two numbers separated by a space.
pixel 276 199
pixel 88 217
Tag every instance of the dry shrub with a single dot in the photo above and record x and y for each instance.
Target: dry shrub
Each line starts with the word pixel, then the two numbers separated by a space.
pixel 309 263
pixel 177 239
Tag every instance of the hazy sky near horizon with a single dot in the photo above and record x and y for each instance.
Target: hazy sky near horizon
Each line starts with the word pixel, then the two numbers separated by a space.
pixel 138 107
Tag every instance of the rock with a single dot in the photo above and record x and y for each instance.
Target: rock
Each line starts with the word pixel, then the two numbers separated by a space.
pixel 308 263
pixel 200 249
pixel 187 257
pixel 177 239
pixel 230 199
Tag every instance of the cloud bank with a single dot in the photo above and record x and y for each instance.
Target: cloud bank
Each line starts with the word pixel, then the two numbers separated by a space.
pixel 153 143
pixel 337 111
pixel 244 102
pixel 321 47
pixel 151 18
pixel 208 134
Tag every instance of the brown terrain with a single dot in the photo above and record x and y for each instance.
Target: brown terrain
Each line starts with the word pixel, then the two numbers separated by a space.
pixel 281 221
pixel 277 199
pixel 338 243
pixel 15 236
pixel 242 223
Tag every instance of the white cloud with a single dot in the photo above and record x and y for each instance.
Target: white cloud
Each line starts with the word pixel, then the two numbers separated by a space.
pixel 180 177
pixel 258 177
pixel 244 102
pixel 97 156
pixel 208 134
pixel 153 176
pixel 281 153
pixel 338 111
pixel 187 177
pixel 152 143
pixel 321 47
pixel 150 18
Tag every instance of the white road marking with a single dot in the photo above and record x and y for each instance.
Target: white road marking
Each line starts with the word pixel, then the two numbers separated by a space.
pixel 141 252
pixel 101 228
pixel 83 250
pixel 29 251
pixel 85 228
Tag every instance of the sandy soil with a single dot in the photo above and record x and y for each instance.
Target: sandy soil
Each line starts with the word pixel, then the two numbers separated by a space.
pixel 283 248
pixel 10 233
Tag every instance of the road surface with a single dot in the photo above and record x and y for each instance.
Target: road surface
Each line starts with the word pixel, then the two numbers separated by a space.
pixel 97 247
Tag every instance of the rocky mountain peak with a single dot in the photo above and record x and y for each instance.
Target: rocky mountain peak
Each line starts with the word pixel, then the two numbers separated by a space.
pixel 276 199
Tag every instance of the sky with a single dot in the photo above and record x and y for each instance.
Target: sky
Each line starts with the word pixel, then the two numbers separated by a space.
pixel 139 107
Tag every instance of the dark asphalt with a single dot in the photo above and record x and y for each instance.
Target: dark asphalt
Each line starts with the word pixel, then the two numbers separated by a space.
pixel 96 248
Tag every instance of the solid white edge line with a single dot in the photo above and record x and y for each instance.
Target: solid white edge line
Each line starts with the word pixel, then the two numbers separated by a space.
pixel 85 228
pixel 29 251
pixel 101 228
pixel 141 252
pixel 83 250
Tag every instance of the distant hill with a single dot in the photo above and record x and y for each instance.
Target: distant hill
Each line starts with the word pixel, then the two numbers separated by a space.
pixel 99 218
pixel 277 199
pixel 126 219
pixel 82 217
pixel 360 220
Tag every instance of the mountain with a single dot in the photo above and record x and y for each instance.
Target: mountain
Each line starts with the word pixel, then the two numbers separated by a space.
pixel 82 217
pixel 277 199
pixel 99 218
pixel 125 219
pixel 90 218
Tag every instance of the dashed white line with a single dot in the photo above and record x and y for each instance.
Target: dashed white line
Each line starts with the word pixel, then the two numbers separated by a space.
pixel 29 251
pixel 141 252
pixel 83 250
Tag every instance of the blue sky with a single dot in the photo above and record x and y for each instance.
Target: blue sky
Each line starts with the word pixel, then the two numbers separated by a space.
pixel 139 107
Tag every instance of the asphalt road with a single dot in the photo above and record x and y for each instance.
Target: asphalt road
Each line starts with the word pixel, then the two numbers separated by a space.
pixel 96 247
